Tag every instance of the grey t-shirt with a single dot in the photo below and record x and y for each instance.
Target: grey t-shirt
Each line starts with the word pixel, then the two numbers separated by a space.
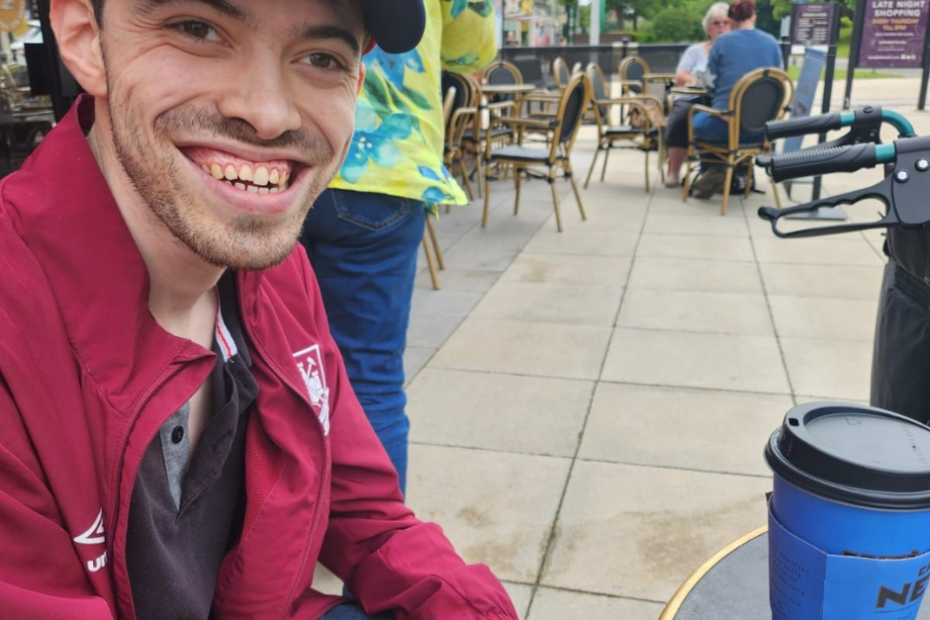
pixel 694 59
pixel 186 509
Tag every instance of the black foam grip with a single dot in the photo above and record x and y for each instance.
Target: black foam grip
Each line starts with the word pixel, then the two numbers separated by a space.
pixel 802 126
pixel 814 161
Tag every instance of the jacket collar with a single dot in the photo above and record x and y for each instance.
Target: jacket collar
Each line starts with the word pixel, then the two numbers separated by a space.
pixel 67 216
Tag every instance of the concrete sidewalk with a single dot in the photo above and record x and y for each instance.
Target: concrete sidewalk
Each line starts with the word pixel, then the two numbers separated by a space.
pixel 589 408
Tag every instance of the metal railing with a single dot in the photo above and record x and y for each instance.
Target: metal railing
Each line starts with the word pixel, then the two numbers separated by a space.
pixel 535 63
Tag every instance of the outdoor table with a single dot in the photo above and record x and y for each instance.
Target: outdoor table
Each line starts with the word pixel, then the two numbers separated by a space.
pixel 732 585
pixel 687 90
pixel 668 78
pixel 507 89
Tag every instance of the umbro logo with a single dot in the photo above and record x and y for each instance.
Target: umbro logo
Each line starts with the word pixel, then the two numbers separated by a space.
pixel 93 536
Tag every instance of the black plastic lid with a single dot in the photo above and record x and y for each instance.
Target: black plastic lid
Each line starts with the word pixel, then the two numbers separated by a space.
pixel 854 454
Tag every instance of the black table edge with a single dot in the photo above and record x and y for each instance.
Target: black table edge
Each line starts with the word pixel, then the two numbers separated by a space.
pixel 674 604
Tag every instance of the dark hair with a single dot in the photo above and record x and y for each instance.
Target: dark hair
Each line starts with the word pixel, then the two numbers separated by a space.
pixel 740 10
pixel 98 9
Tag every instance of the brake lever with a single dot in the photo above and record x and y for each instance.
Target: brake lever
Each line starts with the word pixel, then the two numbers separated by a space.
pixel 904 193
pixel 880 191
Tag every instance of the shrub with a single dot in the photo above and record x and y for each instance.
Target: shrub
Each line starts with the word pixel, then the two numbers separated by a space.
pixel 676 26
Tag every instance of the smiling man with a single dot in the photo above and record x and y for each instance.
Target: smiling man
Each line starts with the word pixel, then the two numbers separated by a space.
pixel 178 438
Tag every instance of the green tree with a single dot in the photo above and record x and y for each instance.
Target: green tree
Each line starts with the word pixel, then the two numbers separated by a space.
pixel 676 25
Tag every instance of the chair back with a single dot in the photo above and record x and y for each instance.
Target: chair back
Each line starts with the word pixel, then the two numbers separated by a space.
pixel 502 72
pixel 598 84
pixel 758 97
pixel 633 69
pixel 465 93
pixel 572 106
pixel 561 73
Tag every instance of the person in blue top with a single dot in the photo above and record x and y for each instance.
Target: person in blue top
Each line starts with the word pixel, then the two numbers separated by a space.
pixel 732 56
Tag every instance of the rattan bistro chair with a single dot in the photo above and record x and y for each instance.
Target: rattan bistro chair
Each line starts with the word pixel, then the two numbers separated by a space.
pixel 431 246
pixel 633 71
pixel 463 115
pixel 561 73
pixel 758 97
pixel 502 72
pixel 645 136
pixel 563 131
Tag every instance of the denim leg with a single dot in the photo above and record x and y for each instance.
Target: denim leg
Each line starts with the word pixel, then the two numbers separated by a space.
pixel 709 128
pixel 353 611
pixel 363 249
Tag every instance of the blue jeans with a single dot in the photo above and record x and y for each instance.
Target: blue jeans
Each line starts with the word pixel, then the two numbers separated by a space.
pixel 709 128
pixel 353 611
pixel 363 249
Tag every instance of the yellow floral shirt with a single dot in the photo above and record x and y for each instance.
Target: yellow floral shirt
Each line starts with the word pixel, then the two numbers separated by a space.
pixel 398 142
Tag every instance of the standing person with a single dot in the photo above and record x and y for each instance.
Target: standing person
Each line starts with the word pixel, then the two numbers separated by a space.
pixel 363 234
pixel 732 56
pixel 179 438
pixel 691 71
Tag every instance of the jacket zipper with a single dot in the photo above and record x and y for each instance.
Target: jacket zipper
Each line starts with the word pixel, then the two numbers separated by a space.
pixel 124 445
pixel 314 526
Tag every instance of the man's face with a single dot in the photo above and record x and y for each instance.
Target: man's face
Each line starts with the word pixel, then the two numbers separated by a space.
pixel 229 117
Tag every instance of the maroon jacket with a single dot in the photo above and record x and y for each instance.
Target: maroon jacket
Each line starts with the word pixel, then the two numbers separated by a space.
pixel 87 378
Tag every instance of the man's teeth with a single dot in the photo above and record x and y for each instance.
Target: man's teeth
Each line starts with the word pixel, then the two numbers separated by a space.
pixel 258 178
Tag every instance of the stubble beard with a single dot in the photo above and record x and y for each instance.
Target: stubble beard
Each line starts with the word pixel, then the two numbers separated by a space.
pixel 243 243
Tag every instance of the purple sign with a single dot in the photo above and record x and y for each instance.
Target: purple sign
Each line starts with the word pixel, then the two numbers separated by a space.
pixel 893 33
pixel 812 24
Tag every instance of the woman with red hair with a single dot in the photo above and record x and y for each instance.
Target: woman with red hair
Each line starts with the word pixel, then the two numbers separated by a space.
pixel 732 56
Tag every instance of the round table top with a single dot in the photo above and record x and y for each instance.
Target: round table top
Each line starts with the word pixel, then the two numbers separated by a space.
pixel 506 89
pixel 733 584
pixel 688 90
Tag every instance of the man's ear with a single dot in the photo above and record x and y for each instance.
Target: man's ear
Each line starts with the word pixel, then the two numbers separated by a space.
pixel 78 37
pixel 361 78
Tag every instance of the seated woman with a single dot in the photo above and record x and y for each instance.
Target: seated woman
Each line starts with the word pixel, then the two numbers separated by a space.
pixel 732 56
pixel 691 70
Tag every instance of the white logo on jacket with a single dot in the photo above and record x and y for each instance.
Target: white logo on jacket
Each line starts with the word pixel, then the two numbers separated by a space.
pixel 310 365
pixel 94 536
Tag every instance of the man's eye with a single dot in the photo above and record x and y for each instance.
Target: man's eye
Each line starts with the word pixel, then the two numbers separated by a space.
pixel 198 30
pixel 322 61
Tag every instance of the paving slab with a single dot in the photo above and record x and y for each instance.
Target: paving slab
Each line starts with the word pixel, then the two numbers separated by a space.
pixel 604 271
pixel 682 428
pixel 849 250
pixel 821 318
pixel 640 531
pixel 508 413
pixel 695 275
pixel 415 358
pixel 834 281
pixel 587 241
pixel 663 224
pixel 516 347
pixel 829 369
pixel 696 311
pixel 551 303
pixel 700 360
pixel 503 507
pixel 702 247
pixel 553 604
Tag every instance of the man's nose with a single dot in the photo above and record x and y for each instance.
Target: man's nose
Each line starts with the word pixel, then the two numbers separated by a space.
pixel 261 97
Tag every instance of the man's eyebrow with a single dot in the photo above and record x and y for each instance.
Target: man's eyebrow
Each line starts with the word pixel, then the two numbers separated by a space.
pixel 222 6
pixel 330 32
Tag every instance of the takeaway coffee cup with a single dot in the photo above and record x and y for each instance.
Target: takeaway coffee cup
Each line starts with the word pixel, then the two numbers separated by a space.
pixel 849 514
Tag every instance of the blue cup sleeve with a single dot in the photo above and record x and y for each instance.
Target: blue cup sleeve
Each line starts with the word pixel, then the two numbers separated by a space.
pixel 806 583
